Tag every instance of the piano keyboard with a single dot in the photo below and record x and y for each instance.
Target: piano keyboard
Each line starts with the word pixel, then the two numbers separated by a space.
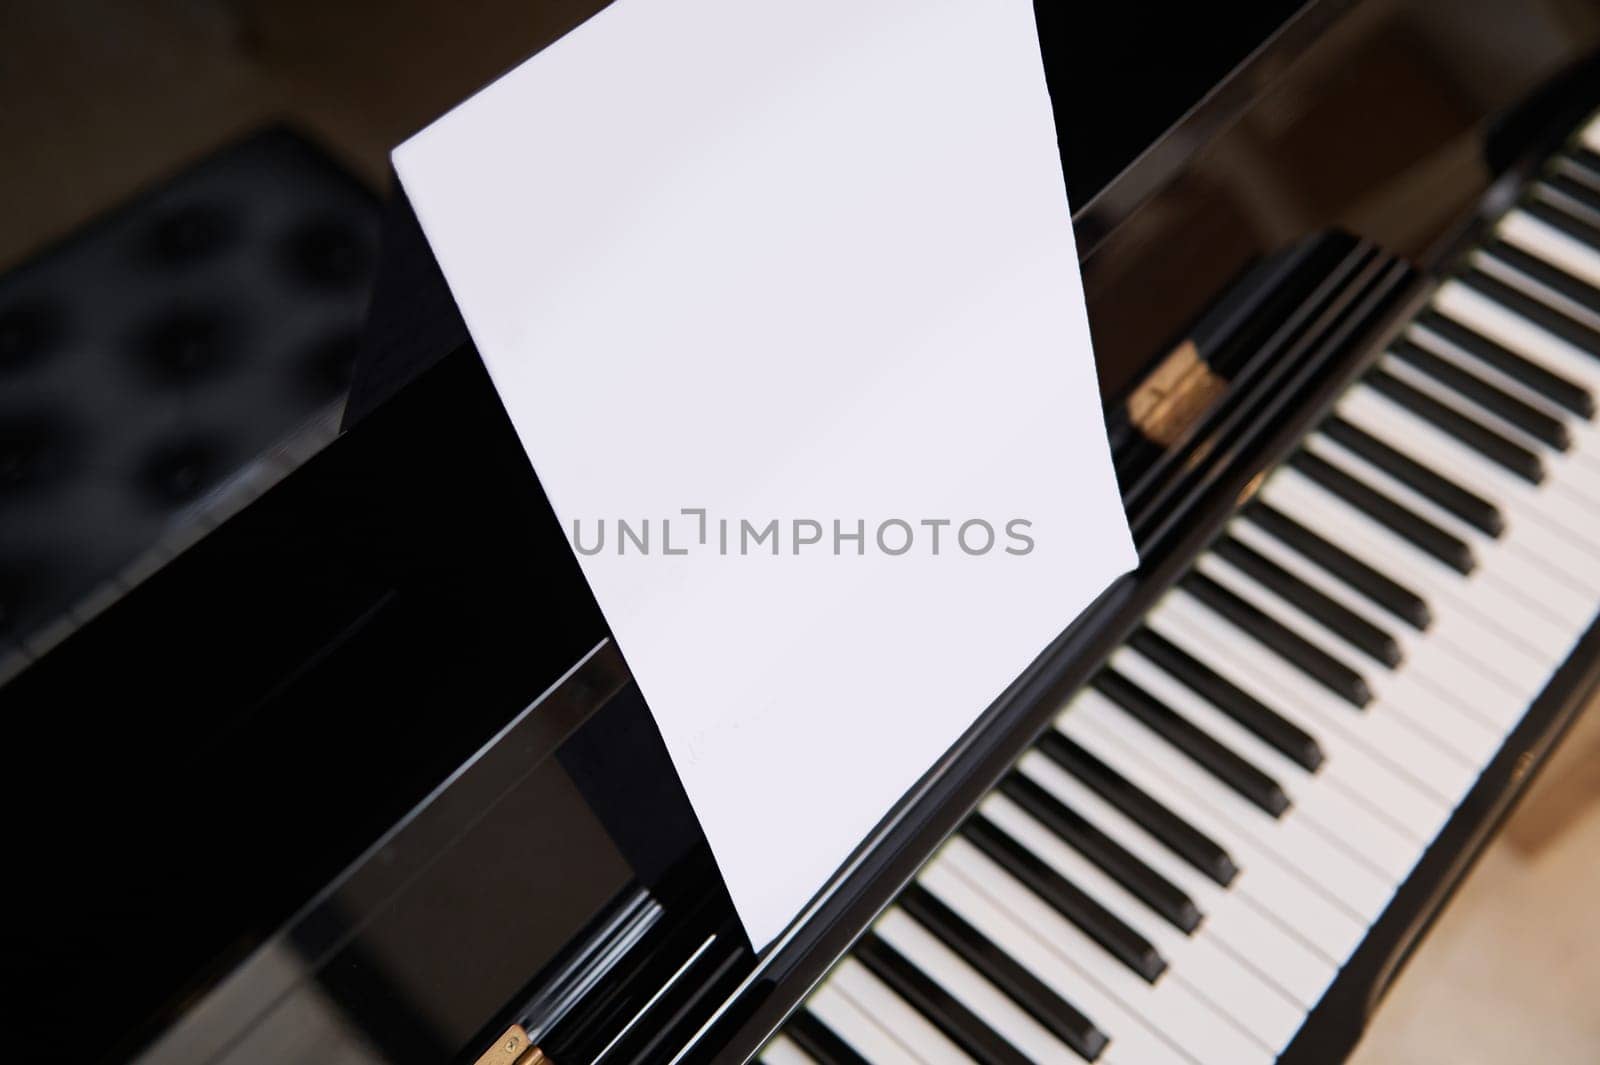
pixel 1178 869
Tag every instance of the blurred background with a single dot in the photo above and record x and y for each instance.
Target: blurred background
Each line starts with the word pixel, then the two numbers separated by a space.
pixel 192 195
pixel 190 205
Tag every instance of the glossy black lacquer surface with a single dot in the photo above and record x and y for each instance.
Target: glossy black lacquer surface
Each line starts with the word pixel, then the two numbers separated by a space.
pixel 207 754
pixel 152 360
pixel 186 772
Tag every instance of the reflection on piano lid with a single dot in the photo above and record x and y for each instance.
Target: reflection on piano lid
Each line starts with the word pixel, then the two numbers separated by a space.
pixel 362 779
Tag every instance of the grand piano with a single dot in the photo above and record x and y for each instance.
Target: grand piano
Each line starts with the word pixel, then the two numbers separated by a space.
pixel 359 777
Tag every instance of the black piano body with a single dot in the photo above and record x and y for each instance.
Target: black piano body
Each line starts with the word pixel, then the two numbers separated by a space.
pixel 360 777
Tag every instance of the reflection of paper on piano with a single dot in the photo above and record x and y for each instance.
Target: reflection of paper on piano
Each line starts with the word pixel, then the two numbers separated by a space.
pixel 809 263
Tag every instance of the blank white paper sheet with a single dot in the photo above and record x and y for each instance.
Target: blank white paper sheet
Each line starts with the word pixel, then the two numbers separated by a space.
pixel 782 299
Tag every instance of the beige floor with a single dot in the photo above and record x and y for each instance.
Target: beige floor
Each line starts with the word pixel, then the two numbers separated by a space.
pixel 1511 972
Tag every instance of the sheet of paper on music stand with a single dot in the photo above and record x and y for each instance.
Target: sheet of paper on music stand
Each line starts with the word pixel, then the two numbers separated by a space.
pixel 804 263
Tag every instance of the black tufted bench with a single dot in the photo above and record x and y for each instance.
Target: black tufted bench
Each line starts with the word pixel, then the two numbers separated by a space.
pixel 166 364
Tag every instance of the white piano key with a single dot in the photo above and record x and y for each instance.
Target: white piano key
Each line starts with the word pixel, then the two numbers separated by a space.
pixel 1458 606
pixel 1132 1039
pixel 1427 337
pixel 1454 670
pixel 1568 498
pixel 1529 549
pixel 1555 513
pixel 1526 628
pixel 782 1051
pixel 1356 884
pixel 1540 238
pixel 1430 338
pixel 1476 621
pixel 1510 330
pixel 1416 756
pixel 1576 170
pixel 1589 134
pixel 1494 265
pixel 1325 798
pixel 1576 259
pixel 887 1012
pixel 1230 914
pixel 1524 506
pixel 1306 906
pixel 1471 616
pixel 1548 194
pixel 1408 432
pixel 1450 594
pixel 966 985
pixel 1507 567
pixel 1575 480
pixel 1435 719
pixel 856 1027
pixel 1585 434
pixel 1389 782
pixel 1168 1006
pixel 1212 974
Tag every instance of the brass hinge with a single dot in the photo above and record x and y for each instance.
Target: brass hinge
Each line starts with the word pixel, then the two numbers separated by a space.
pixel 513 1048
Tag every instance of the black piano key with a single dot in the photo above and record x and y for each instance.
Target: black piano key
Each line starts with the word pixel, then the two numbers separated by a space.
pixel 1586 196
pixel 1419 531
pixel 1464 504
pixel 1534 310
pixel 1060 1017
pixel 819 1041
pixel 1584 159
pixel 1066 898
pixel 1475 435
pixel 1149 886
pixel 1394 597
pixel 1572 226
pixel 1173 832
pixel 1559 390
pixel 1530 419
pixel 1295 649
pixel 927 997
pixel 1271 727
pixel 1331 613
pixel 1224 764
pixel 1583 296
